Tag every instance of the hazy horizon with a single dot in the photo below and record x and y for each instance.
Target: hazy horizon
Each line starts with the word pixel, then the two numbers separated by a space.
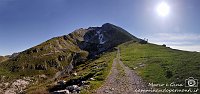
pixel 27 23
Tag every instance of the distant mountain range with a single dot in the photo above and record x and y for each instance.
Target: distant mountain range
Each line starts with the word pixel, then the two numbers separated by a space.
pixel 3 58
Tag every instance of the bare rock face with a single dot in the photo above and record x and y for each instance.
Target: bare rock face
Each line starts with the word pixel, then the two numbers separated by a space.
pixel 15 87
pixel 100 39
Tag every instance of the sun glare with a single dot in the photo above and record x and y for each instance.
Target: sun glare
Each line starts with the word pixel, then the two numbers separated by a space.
pixel 163 9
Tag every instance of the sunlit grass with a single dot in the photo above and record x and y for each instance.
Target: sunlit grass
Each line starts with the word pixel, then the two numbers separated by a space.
pixel 160 64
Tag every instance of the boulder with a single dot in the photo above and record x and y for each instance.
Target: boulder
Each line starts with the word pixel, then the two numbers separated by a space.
pixel 164 45
pixel 73 87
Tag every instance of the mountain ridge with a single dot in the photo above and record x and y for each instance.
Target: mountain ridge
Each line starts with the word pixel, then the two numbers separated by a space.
pixel 64 52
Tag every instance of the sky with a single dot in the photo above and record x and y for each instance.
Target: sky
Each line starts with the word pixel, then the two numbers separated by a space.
pixel 27 23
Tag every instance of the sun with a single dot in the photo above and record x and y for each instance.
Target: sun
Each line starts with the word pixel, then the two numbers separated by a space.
pixel 163 9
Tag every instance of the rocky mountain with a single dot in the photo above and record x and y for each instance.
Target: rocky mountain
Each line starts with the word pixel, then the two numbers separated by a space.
pixel 64 52
pixel 12 55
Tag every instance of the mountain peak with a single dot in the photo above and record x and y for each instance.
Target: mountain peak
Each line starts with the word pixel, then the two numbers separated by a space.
pixel 107 24
pixel 62 53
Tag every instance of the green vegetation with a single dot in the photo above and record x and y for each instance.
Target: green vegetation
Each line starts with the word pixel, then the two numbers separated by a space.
pixel 63 55
pixel 98 69
pixel 53 55
pixel 47 58
pixel 159 64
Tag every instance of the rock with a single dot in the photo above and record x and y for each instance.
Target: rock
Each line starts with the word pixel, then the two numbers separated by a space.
pixel 62 82
pixel 78 89
pixel 143 41
pixel 84 83
pixel 35 50
pixel 65 91
pixel 20 83
pixel 86 86
pixel 96 67
pixel 135 68
pixel 40 67
pixel 112 89
pixel 142 65
pixel 106 91
pixel 53 63
pixel 2 78
pixel 10 91
pixel 74 92
pixel 1 90
pixel 61 58
pixel 16 87
pixel 6 84
pixel 92 79
pixel 74 88
pixel 13 55
pixel 70 88
pixel 74 74
pixel 43 76
pixel 164 45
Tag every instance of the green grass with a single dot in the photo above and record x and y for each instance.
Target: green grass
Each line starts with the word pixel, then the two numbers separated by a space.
pixel 161 64
pixel 46 55
pixel 104 63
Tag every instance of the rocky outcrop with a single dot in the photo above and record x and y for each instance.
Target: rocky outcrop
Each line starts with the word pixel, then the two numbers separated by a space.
pixel 100 39
pixel 16 86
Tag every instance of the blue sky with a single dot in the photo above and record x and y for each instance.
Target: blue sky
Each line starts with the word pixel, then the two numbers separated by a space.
pixel 26 23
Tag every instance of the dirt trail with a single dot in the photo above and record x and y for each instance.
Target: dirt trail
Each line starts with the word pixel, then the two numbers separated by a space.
pixel 121 80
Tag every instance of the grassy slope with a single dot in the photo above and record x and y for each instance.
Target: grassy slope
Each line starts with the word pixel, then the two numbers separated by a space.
pixel 161 64
pixel 104 63
pixel 48 51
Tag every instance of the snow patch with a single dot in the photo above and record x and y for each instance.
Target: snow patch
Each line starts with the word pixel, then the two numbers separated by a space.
pixel 101 37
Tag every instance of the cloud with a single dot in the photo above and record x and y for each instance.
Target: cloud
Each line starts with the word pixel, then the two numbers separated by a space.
pixel 174 43
pixel 178 36
pixel 177 40
pixel 188 47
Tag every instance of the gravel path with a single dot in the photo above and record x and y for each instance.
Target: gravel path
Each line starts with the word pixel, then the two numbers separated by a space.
pixel 121 80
